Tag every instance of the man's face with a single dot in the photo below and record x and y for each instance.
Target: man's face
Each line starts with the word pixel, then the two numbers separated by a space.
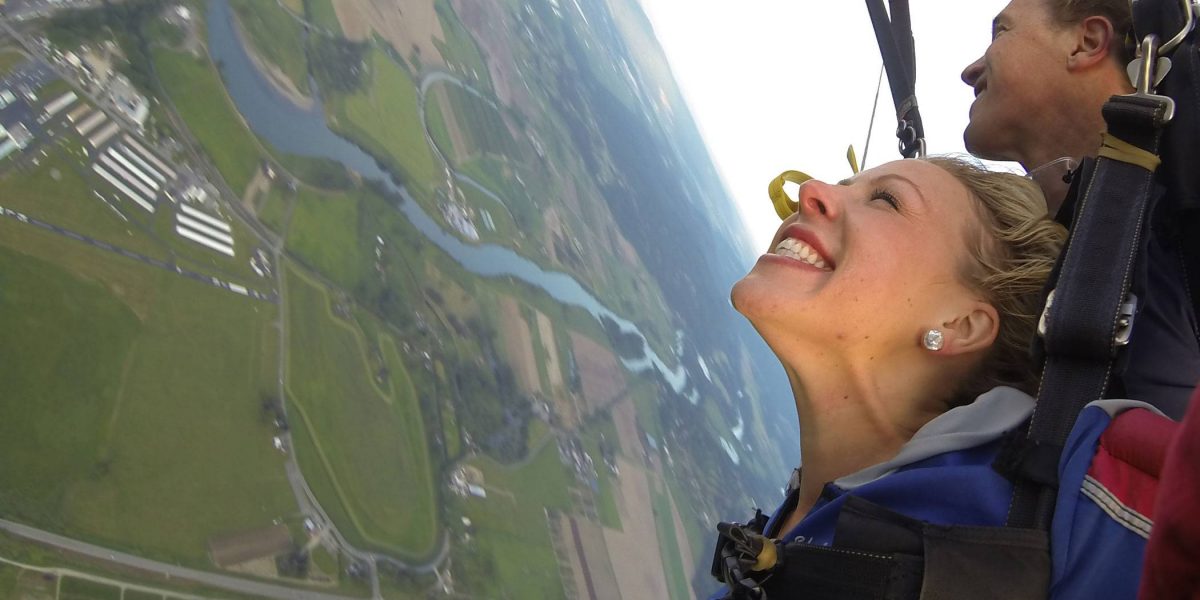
pixel 1015 80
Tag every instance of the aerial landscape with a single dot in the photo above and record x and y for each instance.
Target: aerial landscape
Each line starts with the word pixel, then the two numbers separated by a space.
pixel 366 299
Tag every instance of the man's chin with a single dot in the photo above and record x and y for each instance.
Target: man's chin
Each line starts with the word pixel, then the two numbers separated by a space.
pixel 981 144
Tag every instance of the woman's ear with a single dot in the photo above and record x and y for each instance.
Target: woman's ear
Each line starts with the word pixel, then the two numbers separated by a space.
pixel 974 331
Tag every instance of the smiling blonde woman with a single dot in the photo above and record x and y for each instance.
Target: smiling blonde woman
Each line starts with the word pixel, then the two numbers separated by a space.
pixel 901 304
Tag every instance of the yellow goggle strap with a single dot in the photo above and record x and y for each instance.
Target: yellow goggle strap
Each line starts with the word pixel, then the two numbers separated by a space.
pixel 785 206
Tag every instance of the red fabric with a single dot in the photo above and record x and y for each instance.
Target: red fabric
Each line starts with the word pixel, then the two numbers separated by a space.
pixel 1130 458
pixel 1172 565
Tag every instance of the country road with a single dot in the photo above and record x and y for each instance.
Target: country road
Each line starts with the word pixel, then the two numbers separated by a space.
pixel 225 582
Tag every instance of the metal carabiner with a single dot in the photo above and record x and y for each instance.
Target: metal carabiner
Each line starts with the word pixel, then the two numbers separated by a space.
pixel 1147 71
pixel 1189 15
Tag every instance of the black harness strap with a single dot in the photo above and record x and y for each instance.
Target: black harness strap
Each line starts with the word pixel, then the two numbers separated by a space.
pixel 810 571
pixel 896 46
pixel 1089 312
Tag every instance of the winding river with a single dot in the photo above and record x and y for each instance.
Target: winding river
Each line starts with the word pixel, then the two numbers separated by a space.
pixel 304 132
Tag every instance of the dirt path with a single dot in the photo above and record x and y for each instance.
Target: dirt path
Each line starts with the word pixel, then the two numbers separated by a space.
pixel 259 186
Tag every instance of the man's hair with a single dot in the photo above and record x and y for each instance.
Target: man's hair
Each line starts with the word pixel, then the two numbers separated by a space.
pixel 1010 255
pixel 1118 12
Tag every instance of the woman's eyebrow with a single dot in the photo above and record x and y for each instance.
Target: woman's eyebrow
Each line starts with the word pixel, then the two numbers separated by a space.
pixel 901 178
pixel 916 189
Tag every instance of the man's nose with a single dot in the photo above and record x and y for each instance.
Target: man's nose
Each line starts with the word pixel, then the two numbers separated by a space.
pixel 973 71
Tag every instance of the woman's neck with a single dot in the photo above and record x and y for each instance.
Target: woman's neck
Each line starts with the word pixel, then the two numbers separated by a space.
pixel 853 418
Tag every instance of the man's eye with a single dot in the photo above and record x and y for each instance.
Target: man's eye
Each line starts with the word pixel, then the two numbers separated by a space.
pixel 886 196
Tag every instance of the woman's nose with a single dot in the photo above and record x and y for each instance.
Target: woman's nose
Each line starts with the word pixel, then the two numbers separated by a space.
pixel 819 199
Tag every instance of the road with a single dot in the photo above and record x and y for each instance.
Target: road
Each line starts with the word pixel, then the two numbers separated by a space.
pixel 233 584
pixel 154 262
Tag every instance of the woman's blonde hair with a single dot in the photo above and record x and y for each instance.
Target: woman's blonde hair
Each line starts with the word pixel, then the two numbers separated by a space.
pixel 1011 254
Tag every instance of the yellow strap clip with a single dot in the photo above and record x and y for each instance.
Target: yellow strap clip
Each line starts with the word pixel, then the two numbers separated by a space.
pixel 785 206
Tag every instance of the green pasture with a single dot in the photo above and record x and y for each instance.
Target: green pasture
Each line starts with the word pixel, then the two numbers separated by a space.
pixel 9 59
pixel 511 523
pixel 321 13
pixel 385 119
pixel 459 49
pixel 59 383
pixel 276 36
pixel 435 118
pixel 677 578
pixel 321 173
pixel 325 234
pixel 83 589
pixel 273 212
pixel 68 202
pixel 53 89
pixel 137 595
pixel 147 386
pixel 482 126
pixel 199 96
pixel 8 580
pixel 606 501
pixel 372 453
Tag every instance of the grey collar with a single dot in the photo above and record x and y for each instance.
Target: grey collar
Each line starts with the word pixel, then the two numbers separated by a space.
pixel 984 420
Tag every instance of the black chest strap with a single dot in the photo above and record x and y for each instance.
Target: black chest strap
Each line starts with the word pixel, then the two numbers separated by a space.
pixel 878 554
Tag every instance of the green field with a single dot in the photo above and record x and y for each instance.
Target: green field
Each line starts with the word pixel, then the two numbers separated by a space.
pixel 480 124
pixel 198 94
pixel 677 581
pixel 273 211
pixel 69 203
pixel 9 59
pixel 324 233
pixel 143 395
pixel 606 502
pixel 459 50
pixel 60 381
pixel 321 13
pixel 385 119
pixel 136 595
pixel 276 36
pixel 512 524
pixel 82 589
pixel 370 453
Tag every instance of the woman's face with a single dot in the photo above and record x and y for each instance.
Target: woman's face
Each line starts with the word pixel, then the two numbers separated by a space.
pixel 869 263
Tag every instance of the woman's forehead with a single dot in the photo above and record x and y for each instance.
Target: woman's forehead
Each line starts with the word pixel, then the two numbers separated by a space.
pixel 930 183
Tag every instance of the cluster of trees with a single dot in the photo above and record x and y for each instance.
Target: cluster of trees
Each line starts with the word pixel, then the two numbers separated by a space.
pixel 122 21
pixel 491 408
pixel 338 64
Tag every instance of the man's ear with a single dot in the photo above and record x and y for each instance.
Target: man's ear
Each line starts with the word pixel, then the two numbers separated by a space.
pixel 1094 40
pixel 973 331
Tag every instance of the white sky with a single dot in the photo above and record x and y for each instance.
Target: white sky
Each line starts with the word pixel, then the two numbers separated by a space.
pixel 788 84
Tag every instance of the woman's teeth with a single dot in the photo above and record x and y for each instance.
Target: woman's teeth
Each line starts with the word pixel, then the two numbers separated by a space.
pixel 793 248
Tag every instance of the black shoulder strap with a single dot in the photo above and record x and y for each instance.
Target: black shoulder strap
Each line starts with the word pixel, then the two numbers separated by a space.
pixel 1090 312
pixel 894 35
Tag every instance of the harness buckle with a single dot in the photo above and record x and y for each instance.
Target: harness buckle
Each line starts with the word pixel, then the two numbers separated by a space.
pixel 1146 72
pixel 1124 325
pixel 1045 318
pixel 1124 329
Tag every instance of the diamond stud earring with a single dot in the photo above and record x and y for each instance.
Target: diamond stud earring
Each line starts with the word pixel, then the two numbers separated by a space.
pixel 933 340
